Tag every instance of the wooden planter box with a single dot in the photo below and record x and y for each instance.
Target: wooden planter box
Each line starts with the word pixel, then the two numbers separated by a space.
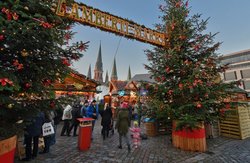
pixel 237 124
pixel 189 140
pixel 150 128
pixel 7 150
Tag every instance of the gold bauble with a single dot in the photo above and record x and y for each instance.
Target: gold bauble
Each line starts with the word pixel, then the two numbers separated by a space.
pixel 26 8
pixel 24 53
pixel 10 106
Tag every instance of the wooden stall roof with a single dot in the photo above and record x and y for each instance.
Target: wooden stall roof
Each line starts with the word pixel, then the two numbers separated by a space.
pixel 76 82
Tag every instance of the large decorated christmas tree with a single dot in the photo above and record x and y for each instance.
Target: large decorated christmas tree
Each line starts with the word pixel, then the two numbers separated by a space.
pixel 34 52
pixel 186 69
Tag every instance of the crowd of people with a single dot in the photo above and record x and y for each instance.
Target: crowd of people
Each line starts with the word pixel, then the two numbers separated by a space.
pixel 124 114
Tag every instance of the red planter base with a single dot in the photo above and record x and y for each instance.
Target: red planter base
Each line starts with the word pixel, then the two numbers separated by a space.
pixel 185 139
pixel 7 150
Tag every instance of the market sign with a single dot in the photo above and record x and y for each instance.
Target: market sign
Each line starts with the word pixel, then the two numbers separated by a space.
pixel 87 15
pixel 121 93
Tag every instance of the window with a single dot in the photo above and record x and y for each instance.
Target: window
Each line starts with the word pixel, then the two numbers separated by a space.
pixel 230 75
pixel 245 73
pixel 246 84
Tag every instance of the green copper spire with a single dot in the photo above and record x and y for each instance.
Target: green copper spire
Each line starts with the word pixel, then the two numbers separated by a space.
pixel 129 74
pixel 89 72
pixel 98 67
pixel 114 72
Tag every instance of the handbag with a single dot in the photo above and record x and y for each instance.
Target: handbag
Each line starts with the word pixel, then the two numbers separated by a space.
pixel 48 129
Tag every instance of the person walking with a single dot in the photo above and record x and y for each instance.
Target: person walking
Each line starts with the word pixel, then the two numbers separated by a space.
pixel 49 117
pixel 123 124
pixel 136 133
pixel 106 120
pixel 76 113
pixel 92 112
pixel 32 133
pixel 67 116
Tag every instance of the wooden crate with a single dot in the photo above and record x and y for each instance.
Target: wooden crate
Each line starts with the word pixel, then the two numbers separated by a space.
pixel 150 128
pixel 237 124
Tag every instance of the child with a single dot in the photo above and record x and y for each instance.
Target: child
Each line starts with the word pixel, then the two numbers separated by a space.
pixel 136 132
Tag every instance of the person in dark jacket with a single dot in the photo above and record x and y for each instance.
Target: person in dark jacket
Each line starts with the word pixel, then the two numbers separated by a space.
pixel 76 113
pixel 49 117
pixel 32 133
pixel 57 114
pixel 106 120
pixel 123 124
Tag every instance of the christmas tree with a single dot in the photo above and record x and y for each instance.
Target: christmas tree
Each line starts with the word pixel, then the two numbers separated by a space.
pixel 34 52
pixel 187 69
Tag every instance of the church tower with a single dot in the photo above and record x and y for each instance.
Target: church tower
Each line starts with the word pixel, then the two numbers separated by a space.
pixel 114 72
pixel 129 74
pixel 98 67
pixel 106 78
pixel 89 72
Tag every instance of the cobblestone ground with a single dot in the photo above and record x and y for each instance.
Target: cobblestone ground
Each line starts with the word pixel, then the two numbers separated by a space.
pixel 153 150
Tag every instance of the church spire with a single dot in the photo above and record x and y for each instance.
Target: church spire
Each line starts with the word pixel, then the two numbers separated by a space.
pixel 98 67
pixel 114 72
pixel 89 72
pixel 129 74
pixel 106 78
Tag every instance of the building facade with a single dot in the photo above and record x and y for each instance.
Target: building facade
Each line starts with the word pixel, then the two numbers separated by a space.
pixel 238 68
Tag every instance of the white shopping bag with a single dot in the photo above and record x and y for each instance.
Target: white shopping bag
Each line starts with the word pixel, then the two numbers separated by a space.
pixel 48 129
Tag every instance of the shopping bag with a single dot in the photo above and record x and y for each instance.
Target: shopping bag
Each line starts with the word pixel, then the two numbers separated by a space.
pixel 48 129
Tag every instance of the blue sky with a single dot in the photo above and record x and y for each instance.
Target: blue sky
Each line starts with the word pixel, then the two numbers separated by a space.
pixel 231 18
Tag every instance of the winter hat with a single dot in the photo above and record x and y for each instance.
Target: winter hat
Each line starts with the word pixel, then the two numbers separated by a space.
pixel 86 102
pixel 124 105
pixel 135 123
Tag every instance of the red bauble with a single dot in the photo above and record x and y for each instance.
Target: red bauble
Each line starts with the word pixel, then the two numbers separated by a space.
pixel 9 16
pixel 170 92
pixel 172 26
pixel 198 105
pixel 182 37
pixel 180 86
pixel 1 37
pixel 178 4
pixel 46 82
pixel 65 62
pixel 3 82
pixel 46 25
pixel 4 10
pixel 163 78
pixel 68 28
pixel 167 69
pixel 27 85
pixel 197 47
pixel 158 79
